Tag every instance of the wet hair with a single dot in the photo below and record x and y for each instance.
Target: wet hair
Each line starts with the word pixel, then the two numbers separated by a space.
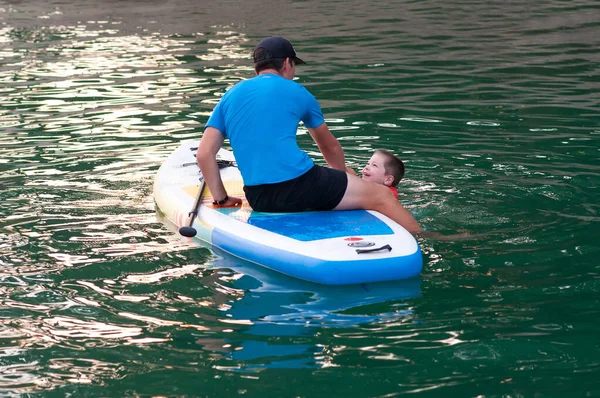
pixel 393 166
pixel 272 63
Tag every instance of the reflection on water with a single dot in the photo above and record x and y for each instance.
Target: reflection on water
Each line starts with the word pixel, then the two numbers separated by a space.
pixel 227 310
pixel 492 106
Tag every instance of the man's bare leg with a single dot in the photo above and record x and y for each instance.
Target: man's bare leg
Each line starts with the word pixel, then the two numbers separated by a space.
pixel 366 195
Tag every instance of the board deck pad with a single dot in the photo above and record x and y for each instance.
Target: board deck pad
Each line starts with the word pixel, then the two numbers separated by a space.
pixel 318 225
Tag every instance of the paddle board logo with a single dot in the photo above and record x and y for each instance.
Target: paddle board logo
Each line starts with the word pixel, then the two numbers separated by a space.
pixel 361 243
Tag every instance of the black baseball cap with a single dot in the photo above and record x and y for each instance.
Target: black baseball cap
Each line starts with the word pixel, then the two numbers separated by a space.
pixel 276 47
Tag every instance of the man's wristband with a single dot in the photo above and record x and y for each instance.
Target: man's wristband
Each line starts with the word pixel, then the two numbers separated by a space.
pixel 222 201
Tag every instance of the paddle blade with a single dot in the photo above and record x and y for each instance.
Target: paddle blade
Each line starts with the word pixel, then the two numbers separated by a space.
pixel 188 232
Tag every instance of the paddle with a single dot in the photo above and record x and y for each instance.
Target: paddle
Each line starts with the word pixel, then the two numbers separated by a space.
pixel 188 230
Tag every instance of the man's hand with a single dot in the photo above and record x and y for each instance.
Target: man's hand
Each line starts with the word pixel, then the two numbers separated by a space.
pixel 231 202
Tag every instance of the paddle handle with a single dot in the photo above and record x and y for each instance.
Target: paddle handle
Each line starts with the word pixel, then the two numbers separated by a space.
pixel 188 230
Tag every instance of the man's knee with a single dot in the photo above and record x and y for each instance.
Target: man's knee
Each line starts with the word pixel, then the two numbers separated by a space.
pixel 380 197
pixel 366 195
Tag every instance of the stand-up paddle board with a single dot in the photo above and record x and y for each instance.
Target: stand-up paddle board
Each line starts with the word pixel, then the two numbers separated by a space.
pixel 327 247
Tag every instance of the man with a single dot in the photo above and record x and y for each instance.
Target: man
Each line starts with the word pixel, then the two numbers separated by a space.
pixel 260 117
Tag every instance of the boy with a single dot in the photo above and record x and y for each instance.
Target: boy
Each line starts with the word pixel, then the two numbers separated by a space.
pixel 384 168
pixel 387 169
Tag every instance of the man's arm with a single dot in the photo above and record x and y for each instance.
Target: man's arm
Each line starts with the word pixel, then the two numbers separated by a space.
pixel 206 156
pixel 329 146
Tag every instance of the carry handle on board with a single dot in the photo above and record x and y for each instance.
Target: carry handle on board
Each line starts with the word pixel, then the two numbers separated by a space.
pixel 376 249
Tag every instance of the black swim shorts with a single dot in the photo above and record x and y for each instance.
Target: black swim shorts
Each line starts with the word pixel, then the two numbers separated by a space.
pixel 320 189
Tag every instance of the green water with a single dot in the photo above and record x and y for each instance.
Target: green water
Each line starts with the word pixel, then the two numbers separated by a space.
pixel 494 106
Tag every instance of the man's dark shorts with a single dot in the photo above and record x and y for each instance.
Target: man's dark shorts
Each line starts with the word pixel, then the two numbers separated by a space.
pixel 320 189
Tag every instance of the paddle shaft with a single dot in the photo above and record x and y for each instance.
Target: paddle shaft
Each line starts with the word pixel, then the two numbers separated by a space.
pixel 188 230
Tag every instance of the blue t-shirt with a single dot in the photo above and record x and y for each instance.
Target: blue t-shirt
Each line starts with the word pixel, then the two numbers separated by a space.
pixel 260 118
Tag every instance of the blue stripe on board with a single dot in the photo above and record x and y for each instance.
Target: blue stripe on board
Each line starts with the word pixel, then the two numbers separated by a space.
pixel 309 226
pixel 361 270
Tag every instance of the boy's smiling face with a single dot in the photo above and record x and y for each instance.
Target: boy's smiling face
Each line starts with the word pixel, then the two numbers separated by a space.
pixel 374 171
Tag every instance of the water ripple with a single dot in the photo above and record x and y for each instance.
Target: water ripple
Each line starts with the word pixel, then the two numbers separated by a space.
pixel 492 106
